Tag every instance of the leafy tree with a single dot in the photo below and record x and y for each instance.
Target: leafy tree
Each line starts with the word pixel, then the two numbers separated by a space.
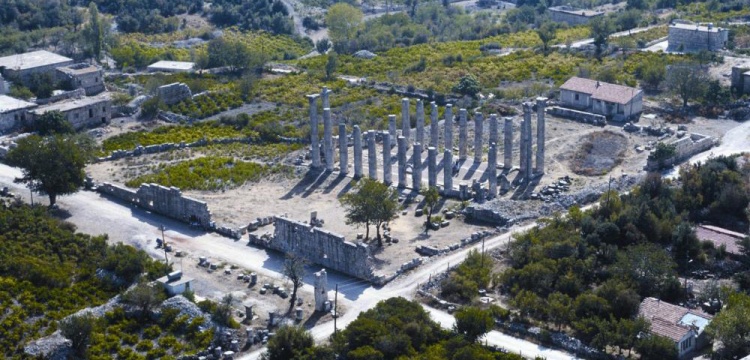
pixel 655 347
pixel 53 165
pixel 371 202
pixel 78 329
pixel 473 322
pixel 94 33
pixel 331 66
pixel 546 33
pixel 294 270
pixel 290 342
pixel 652 73
pixel 731 327
pixel 468 85
pixel 247 84
pixel 144 297
pixel 601 28
pixel 685 245
pixel 222 313
pixel 150 108
pixel 431 198
pixel 648 265
pixel 343 21
pixel 52 122
pixel 322 46
pixel 687 81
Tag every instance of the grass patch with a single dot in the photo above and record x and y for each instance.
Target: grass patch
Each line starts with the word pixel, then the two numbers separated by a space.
pixel 599 153
pixel 170 134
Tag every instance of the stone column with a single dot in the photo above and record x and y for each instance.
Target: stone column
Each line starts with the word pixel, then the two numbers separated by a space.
pixel 321 290
pixel 416 173
pixel 357 135
pixel 478 133
pixel 493 129
pixel 328 138
pixel 434 125
pixel 401 161
pixel 387 158
pixel 526 142
pixel 314 137
pixel 372 152
pixel 420 122
pixel 448 125
pixel 324 95
pixel 432 166
pixel 508 143
pixel 492 170
pixel 462 134
pixel 447 171
pixel 405 122
pixel 541 103
pixel 343 150
pixel 392 125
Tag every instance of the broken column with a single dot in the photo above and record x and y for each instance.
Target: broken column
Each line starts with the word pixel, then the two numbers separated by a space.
pixel 387 158
pixel 420 122
pixel 343 150
pixel 392 125
pixel 416 172
pixel 462 134
pixel 405 122
pixel 321 291
pixel 541 103
pixel 401 161
pixel 526 140
pixel 448 125
pixel 478 132
pixel 324 95
pixel 493 129
pixel 508 143
pixel 372 161
pixel 434 125
pixel 447 171
pixel 314 140
pixel 432 166
pixel 357 135
pixel 492 170
pixel 328 138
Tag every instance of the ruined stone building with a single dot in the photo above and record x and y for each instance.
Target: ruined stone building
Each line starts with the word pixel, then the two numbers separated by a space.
pixel 173 93
pixel 81 113
pixel 616 102
pixel 22 66
pixel 13 112
pixel 88 77
pixel 572 16
pixel 685 37
pixel 741 78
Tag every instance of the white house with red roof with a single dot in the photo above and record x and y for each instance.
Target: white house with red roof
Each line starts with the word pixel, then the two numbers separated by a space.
pixel 616 102
pixel 682 325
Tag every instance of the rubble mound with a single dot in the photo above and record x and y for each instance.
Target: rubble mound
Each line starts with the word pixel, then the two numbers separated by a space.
pixel 53 347
pixel 185 307
pixel 364 54
pixel 598 153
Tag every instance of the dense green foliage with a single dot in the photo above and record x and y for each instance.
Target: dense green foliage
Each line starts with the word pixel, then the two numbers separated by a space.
pixel 732 327
pixel 474 273
pixel 252 15
pixel 209 104
pixel 370 203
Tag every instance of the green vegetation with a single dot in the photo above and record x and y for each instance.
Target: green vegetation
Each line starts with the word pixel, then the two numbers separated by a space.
pixel 169 134
pixel 370 202
pixel 207 105
pixel 732 327
pixel 463 283
pixel 209 173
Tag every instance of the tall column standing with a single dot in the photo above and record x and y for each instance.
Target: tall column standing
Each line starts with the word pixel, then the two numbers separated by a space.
pixel 420 122
pixel 526 142
pixel 478 134
pixel 448 126
pixel 387 158
pixel 432 166
pixel 405 122
pixel 314 137
pixel 434 125
pixel 462 135
pixel 343 150
pixel 401 161
pixel 492 170
pixel 493 129
pixel 541 103
pixel 447 171
pixel 392 125
pixel 372 152
pixel 508 143
pixel 357 135
pixel 328 138
pixel 416 172
pixel 324 95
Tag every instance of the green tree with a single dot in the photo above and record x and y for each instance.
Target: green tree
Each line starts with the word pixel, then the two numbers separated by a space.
pixel 601 28
pixel 343 21
pixel 546 33
pixel 294 270
pixel 473 322
pixel 54 165
pixel 78 329
pixel 652 73
pixel 144 297
pixel 648 265
pixel 95 33
pixel 431 198
pixel 687 81
pixel 685 245
pixel 655 347
pixel 467 85
pixel 371 202
pixel 731 327
pixel 290 342
pixel 52 122
pixel 331 66
pixel 322 46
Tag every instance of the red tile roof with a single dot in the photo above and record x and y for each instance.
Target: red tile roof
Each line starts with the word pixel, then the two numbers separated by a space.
pixel 665 317
pixel 601 91
pixel 719 236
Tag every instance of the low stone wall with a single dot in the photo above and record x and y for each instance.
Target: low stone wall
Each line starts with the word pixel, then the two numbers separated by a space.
pixel 685 147
pixel 164 201
pixel 73 94
pixel 319 246
pixel 580 116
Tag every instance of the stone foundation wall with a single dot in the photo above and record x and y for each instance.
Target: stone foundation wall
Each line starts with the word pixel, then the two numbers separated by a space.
pixel 319 246
pixel 72 94
pixel 580 116
pixel 685 147
pixel 173 93
pixel 162 200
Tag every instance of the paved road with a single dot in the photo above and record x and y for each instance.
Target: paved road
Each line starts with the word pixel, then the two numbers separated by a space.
pixel 588 41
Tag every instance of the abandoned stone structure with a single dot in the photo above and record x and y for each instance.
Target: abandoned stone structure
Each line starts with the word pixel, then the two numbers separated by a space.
pixel 167 201
pixel 321 291
pixel 572 16
pixel 319 246
pixel 741 79
pixel 685 147
pixel 86 76
pixel 688 37
pixel 173 93
pixel 81 113
pixel 616 102
pixel 13 113
pixel 22 66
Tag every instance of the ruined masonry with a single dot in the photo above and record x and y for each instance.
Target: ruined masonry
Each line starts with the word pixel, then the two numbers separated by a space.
pixel 167 201
pixel 343 150
pixel 357 135
pixel 321 291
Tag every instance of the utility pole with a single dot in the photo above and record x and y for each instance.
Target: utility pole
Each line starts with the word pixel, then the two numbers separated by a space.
pixel 32 196
pixel 335 308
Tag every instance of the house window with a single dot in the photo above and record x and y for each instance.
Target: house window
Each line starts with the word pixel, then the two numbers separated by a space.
pixel 91 113
pixel 576 97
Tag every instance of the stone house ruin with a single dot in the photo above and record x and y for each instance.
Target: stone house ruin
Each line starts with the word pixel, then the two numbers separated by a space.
pixel 572 16
pixel 741 79
pixel 81 113
pixel 682 325
pixel 685 37
pixel 13 112
pixel 616 102
pixel 685 147
pixel 22 66
pixel 88 77
pixel 173 93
